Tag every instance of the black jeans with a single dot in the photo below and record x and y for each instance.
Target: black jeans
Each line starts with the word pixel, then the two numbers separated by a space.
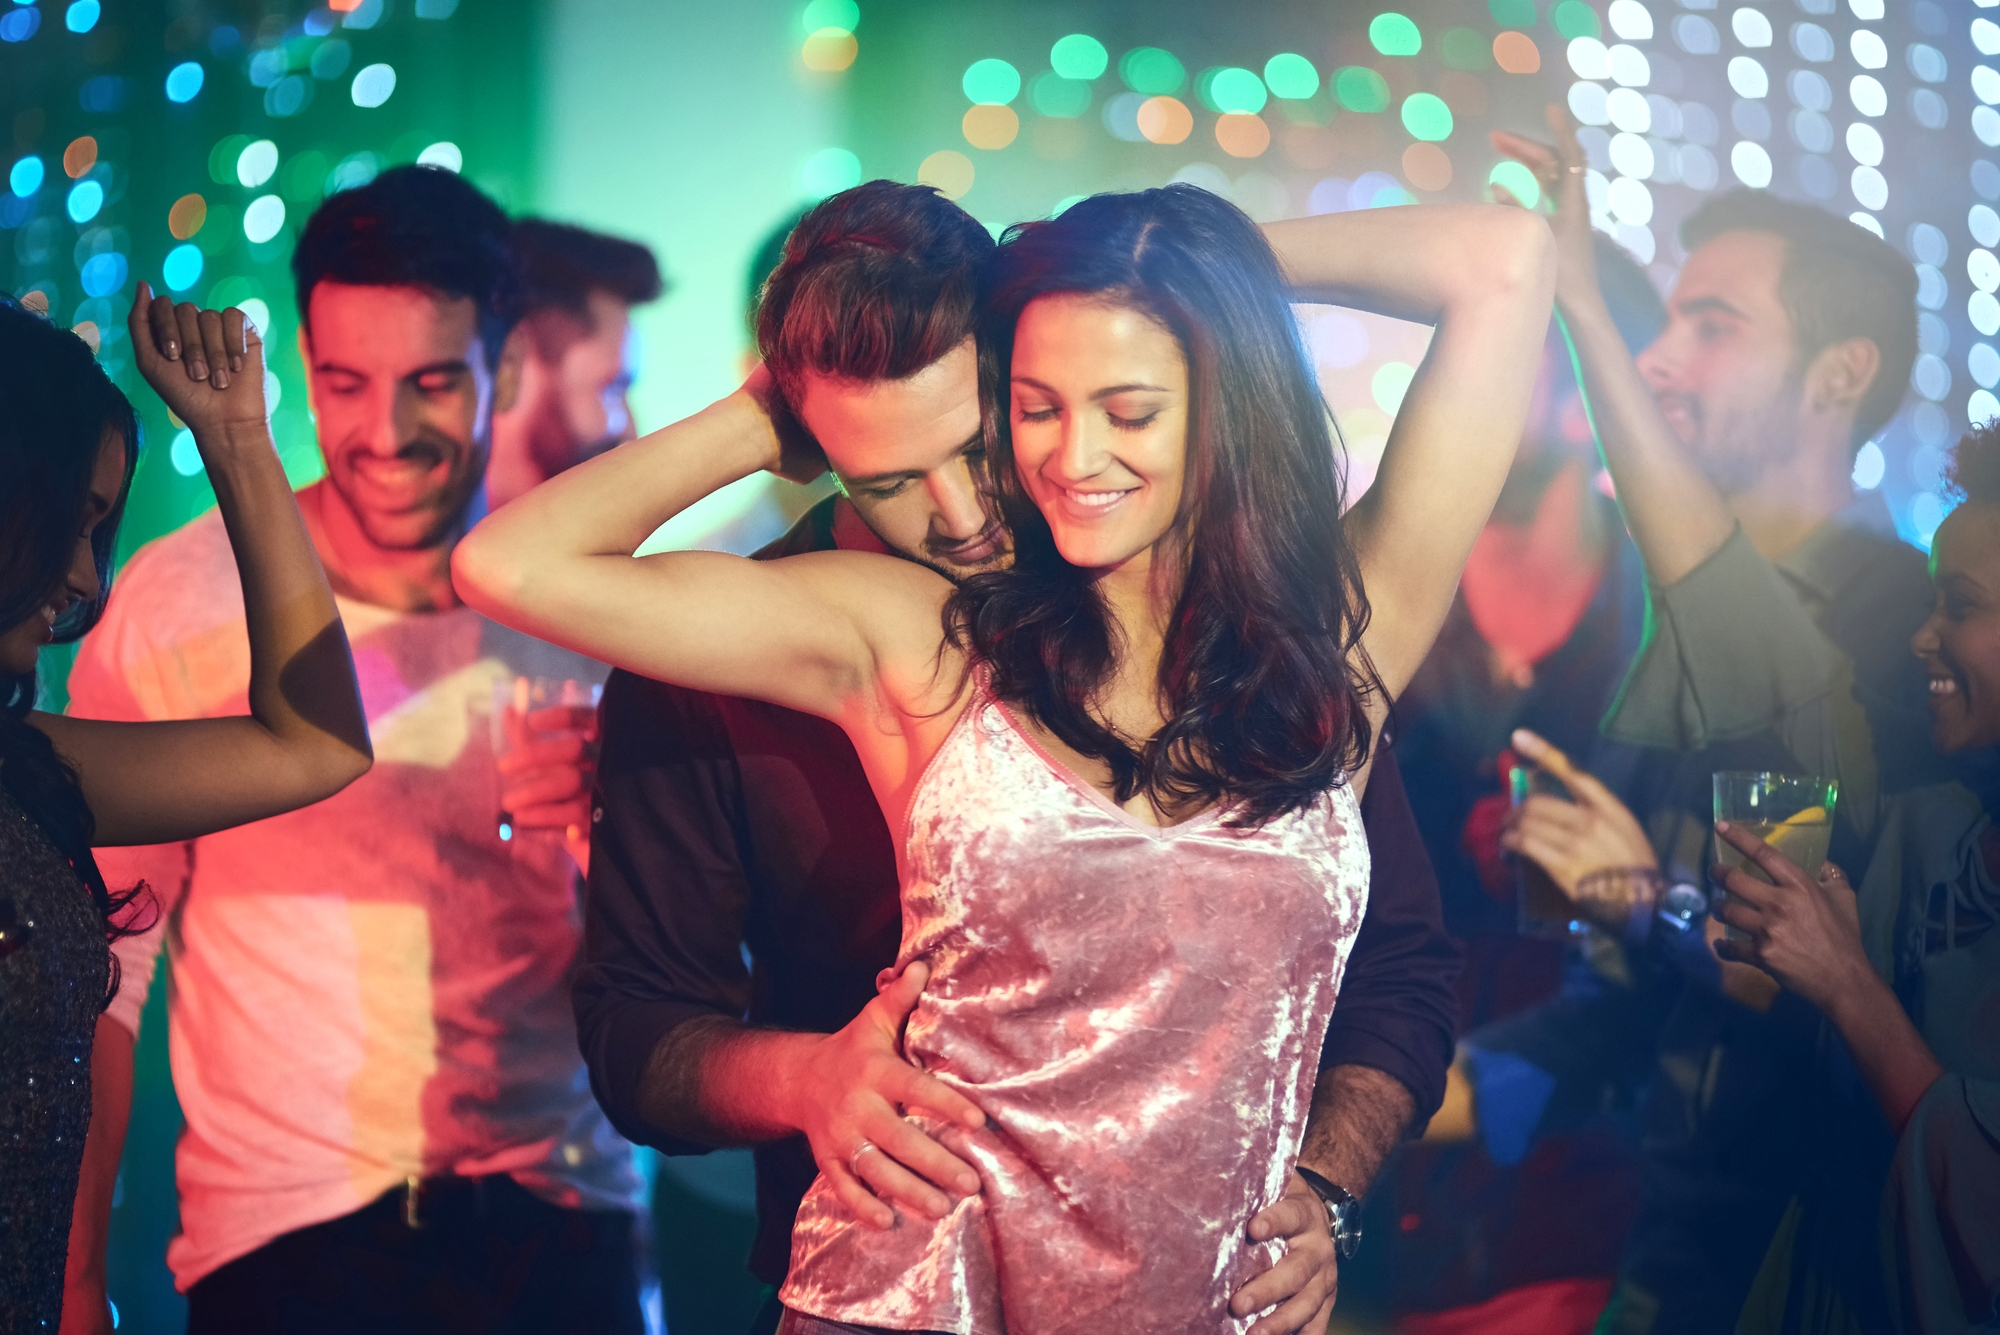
pixel 488 1258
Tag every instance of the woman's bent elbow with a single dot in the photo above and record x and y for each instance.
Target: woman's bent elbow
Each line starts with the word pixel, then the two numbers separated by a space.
pixel 484 576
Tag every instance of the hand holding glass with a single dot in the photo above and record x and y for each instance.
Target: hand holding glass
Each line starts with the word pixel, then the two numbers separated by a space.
pixel 1792 813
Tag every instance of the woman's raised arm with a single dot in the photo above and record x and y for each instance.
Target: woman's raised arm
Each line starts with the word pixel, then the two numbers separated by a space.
pixel 807 632
pixel 305 737
pixel 1484 275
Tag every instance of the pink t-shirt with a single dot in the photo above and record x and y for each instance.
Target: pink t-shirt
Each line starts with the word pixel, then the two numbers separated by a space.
pixel 375 986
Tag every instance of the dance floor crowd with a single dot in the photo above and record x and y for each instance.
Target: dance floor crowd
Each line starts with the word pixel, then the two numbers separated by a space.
pixel 1094 858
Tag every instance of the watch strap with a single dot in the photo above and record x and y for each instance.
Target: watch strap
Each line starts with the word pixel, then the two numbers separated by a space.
pixel 1342 1210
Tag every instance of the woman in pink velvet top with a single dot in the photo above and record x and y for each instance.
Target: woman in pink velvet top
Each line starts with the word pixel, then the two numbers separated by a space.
pixel 1124 770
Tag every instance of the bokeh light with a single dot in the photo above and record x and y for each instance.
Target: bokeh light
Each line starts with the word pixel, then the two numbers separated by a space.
pixel 18 25
pixel 104 274
pixel 1573 18
pixel 844 15
pixel 80 156
pixel 1395 35
pixel 991 81
pixel 1463 49
pixel 373 85
pixel 186 216
pixel 949 171
pixel 1427 167
pixel 1292 76
pixel 263 218
pixel 82 15
pixel 185 458
pixel 1390 383
pixel 182 268
pixel 85 199
pixel 1516 53
pixel 1426 116
pixel 990 126
pixel 1059 96
pixel 1241 134
pixel 1079 56
pixel 24 178
pixel 1361 89
pixel 1631 20
pixel 1516 180
pixel 1235 90
pixel 829 50
pixel 828 172
pixel 184 81
pixel 256 163
pixel 1588 58
pixel 1165 120
pixel 1751 164
pixel 1512 13
pixel 1150 70
pixel 443 154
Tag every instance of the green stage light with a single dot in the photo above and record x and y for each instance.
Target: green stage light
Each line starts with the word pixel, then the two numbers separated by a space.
pixel 1395 35
pixel 1235 90
pixel 1291 76
pixel 1149 70
pixel 1512 13
pixel 1573 19
pixel 842 14
pixel 992 82
pixel 1361 89
pixel 1518 181
pixel 1079 56
pixel 1426 116
pixel 1054 95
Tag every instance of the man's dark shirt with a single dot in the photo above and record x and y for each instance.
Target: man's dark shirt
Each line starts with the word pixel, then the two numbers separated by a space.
pixel 726 827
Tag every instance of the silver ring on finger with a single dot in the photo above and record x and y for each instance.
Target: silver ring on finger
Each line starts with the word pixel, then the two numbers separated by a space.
pixel 854 1159
pixel 1574 169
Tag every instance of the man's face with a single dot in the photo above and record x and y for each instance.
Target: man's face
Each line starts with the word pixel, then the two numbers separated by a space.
pixel 1725 371
pixel 910 455
pixel 400 386
pixel 582 372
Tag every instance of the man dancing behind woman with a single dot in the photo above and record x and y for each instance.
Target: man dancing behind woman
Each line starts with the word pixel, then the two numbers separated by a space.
pixel 1125 768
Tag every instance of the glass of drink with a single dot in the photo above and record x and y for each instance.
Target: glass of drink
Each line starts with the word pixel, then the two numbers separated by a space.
pixel 1792 813
pixel 516 700
pixel 1541 908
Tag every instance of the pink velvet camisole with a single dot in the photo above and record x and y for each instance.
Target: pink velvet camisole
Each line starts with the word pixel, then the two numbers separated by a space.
pixel 1139 1012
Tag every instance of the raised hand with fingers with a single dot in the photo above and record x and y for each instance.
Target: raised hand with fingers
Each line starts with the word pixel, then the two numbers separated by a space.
pixel 1561 168
pixel 1302 1286
pixel 207 366
pixel 852 1096
pixel 1580 841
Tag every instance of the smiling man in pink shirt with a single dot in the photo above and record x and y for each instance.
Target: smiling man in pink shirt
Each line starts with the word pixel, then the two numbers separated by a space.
pixel 389 1127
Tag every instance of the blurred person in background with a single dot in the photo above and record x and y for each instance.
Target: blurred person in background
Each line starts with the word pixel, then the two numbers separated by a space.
pixel 69 442
pixel 1548 616
pixel 1907 974
pixel 1731 441
pixel 388 1125
pixel 579 353
pixel 725 825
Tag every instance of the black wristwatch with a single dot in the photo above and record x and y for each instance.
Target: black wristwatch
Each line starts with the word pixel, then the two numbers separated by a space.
pixel 1343 1211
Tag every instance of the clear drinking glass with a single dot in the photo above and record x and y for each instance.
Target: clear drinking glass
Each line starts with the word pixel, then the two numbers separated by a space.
pixel 1542 909
pixel 1793 813
pixel 515 699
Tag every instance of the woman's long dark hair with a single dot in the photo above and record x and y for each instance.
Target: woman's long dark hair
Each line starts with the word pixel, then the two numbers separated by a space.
pixel 56 404
pixel 1262 677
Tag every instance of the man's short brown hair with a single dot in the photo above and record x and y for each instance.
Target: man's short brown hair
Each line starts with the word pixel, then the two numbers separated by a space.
pixel 876 283
pixel 1840 281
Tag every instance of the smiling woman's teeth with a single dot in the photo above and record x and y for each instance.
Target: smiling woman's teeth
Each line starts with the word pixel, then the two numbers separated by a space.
pixel 1096 498
pixel 1943 686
